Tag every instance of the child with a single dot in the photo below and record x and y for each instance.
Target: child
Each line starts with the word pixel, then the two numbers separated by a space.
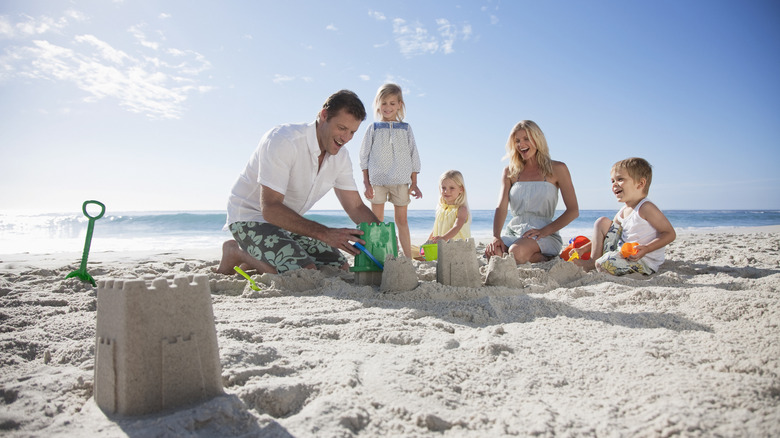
pixel 452 214
pixel 638 221
pixel 389 160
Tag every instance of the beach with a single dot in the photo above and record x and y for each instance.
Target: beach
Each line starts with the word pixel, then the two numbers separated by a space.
pixel 693 350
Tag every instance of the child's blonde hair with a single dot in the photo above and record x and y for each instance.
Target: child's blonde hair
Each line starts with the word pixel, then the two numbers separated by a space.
pixel 384 92
pixel 516 162
pixel 637 169
pixel 458 178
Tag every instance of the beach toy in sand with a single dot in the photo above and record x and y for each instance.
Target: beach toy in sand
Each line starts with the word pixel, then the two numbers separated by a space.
pixel 81 272
pixel 430 251
pixel 380 242
pixel 368 254
pixel 575 243
pixel 252 283
pixel 628 249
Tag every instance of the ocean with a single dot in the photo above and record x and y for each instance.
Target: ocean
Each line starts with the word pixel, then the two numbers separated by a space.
pixel 160 231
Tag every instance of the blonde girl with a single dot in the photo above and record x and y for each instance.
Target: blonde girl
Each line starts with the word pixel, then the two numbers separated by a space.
pixel 453 220
pixel 390 162
pixel 530 186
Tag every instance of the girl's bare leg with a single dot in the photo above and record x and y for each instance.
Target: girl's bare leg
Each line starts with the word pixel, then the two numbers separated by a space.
pixel 379 211
pixel 402 226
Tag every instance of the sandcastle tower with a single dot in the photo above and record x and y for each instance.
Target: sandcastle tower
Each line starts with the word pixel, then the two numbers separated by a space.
pixel 156 346
pixel 457 264
pixel 502 271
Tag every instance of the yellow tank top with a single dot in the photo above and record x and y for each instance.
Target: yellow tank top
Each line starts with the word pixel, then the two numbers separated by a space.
pixel 445 220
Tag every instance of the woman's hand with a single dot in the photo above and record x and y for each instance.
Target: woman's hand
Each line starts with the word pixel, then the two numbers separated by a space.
pixel 534 234
pixel 495 248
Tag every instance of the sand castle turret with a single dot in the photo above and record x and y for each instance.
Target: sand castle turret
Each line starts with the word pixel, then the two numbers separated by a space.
pixel 156 346
pixel 502 271
pixel 457 265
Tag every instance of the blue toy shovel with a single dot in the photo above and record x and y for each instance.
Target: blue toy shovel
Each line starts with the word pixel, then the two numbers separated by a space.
pixel 81 272
pixel 371 256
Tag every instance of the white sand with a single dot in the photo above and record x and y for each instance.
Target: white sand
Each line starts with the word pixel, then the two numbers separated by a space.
pixel 693 350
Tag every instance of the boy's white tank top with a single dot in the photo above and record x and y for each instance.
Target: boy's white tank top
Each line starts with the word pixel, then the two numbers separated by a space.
pixel 636 229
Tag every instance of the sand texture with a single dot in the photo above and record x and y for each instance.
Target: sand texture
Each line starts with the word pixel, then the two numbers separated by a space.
pixel 693 350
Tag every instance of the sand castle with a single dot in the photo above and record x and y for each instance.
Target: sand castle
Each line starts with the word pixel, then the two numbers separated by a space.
pixel 457 265
pixel 502 271
pixel 156 346
pixel 399 275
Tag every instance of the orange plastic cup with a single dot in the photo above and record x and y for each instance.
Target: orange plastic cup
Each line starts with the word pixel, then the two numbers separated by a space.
pixel 628 249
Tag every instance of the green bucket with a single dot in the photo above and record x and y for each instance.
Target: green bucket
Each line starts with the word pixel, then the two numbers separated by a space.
pixel 430 251
pixel 380 241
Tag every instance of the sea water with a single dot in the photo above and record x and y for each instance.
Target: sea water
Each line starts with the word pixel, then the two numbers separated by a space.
pixel 160 231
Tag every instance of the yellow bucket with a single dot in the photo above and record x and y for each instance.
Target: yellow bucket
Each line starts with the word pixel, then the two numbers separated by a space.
pixel 430 251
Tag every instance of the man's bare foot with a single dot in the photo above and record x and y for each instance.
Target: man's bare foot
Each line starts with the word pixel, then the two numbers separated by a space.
pixel 233 255
pixel 230 257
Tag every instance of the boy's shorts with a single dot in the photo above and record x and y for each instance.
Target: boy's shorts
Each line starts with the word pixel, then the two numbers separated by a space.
pixel 613 262
pixel 282 249
pixel 397 194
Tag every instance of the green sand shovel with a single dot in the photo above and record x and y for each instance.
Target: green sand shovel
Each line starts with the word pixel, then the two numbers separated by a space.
pixel 81 273
pixel 252 283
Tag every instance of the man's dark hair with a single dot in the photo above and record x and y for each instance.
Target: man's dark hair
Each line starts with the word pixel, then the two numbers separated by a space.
pixel 347 100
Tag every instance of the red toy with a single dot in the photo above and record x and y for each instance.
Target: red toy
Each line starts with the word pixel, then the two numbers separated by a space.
pixel 575 243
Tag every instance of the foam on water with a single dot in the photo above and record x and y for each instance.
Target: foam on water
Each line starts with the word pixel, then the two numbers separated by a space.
pixel 153 231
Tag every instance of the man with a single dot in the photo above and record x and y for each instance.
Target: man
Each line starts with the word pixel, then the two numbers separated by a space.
pixel 292 168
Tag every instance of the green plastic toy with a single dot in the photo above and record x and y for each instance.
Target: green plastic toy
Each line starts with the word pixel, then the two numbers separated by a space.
pixel 81 272
pixel 252 283
pixel 380 242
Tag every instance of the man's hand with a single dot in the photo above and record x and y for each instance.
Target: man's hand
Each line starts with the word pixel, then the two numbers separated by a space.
pixel 342 239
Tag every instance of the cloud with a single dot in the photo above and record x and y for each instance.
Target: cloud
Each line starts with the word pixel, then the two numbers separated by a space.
pixel 414 39
pixel 377 15
pixel 280 79
pixel 364 77
pixel 31 26
pixel 153 80
pixel 331 27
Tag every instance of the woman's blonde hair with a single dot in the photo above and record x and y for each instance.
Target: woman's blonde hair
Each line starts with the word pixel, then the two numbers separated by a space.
pixel 386 91
pixel 458 178
pixel 516 162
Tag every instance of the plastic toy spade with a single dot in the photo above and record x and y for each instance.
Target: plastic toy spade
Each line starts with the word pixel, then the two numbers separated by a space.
pixel 252 283
pixel 81 272
pixel 371 256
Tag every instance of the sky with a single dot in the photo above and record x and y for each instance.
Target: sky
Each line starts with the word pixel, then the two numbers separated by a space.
pixel 157 106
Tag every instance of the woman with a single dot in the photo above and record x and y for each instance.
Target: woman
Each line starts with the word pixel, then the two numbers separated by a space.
pixel 530 185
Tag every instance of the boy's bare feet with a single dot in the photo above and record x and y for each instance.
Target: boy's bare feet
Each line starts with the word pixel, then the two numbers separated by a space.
pixel 587 265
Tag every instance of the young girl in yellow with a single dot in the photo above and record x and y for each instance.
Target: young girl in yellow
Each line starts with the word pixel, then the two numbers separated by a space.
pixel 453 220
